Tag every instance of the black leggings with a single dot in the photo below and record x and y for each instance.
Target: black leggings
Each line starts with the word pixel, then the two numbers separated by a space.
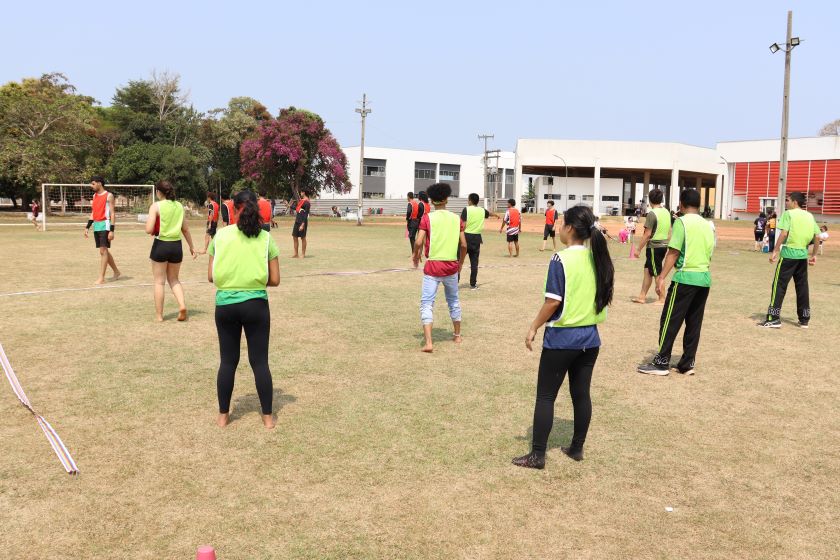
pixel 553 367
pixel 253 315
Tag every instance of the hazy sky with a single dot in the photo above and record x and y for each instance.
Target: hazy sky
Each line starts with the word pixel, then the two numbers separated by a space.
pixel 438 73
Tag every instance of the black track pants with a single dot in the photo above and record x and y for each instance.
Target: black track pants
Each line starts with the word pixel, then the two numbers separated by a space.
pixel 785 270
pixel 254 317
pixel 684 303
pixel 473 251
pixel 553 367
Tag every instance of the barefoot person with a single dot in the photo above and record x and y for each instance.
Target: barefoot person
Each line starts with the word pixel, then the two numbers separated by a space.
pixel 655 238
pixel 690 253
pixel 473 218
pixel 512 221
pixel 578 289
pixel 301 224
pixel 213 211
pixel 35 210
pixel 413 214
pixel 243 261
pixel 441 235
pixel 548 231
pixel 102 216
pixel 798 230
pixel 166 222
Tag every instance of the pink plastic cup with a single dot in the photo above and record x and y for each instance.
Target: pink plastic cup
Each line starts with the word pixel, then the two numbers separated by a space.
pixel 205 553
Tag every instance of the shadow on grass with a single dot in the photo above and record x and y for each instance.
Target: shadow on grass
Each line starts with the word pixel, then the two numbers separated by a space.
pixel 439 334
pixel 248 403
pixel 190 313
pixel 561 434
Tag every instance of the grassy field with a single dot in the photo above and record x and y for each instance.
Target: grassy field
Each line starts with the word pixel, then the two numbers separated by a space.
pixel 383 452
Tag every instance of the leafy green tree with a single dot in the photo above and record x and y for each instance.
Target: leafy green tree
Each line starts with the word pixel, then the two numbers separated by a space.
pixel 148 163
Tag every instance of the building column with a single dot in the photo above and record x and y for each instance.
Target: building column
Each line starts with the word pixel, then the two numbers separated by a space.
pixel 596 191
pixel 633 193
pixel 647 184
pixel 675 187
pixel 719 196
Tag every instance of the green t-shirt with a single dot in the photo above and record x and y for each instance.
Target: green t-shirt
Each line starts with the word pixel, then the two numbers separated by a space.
pixel 801 227
pixel 240 265
pixel 693 237
pixel 658 221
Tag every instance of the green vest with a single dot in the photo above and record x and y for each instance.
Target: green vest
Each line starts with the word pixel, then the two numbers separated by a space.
pixel 663 224
pixel 697 244
pixel 445 235
pixel 240 262
pixel 475 219
pixel 171 219
pixel 801 227
pixel 581 286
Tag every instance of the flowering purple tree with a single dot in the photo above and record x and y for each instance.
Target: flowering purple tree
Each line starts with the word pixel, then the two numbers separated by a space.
pixel 293 152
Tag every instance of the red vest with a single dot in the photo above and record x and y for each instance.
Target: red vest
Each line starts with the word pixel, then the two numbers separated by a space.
pixel 550 216
pixel 265 210
pixel 99 205
pixel 231 212
pixel 415 209
pixel 213 211
pixel 515 218
pixel 426 208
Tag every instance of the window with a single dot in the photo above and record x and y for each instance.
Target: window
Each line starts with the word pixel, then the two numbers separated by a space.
pixel 509 176
pixel 572 197
pixel 549 180
pixel 587 197
pixel 609 198
pixel 373 195
pixel 556 196
pixel 424 174
pixel 374 170
pixel 449 175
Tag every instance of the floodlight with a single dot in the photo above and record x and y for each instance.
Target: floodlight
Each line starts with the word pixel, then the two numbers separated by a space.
pixel 774 47
pixel 794 41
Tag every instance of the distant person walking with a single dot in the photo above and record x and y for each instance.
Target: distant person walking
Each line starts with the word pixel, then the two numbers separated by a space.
pixel 35 210
pixel 228 212
pixel 441 237
pixel 243 262
pixel 512 221
pixel 301 224
pixel 102 219
pixel 166 222
pixel 551 216
pixel 213 211
pixel 424 200
pixel 473 217
pixel 655 238
pixel 578 289
pixel 265 211
pixel 413 214
pixel 771 232
pixel 760 224
pixel 798 230
pixel 823 237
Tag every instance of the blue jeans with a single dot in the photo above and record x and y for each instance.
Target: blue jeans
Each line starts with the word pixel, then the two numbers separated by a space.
pixel 427 298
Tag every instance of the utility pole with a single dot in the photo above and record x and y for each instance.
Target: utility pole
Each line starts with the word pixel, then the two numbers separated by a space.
pixel 363 111
pixel 790 43
pixel 485 137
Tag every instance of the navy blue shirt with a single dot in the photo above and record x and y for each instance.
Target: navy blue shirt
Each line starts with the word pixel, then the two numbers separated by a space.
pixel 565 338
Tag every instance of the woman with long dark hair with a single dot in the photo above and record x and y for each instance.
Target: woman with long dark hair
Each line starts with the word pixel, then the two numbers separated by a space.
pixel 166 222
pixel 579 287
pixel 243 262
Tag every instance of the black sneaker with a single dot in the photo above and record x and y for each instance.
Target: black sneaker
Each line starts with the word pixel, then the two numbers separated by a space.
pixel 803 325
pixel 776 324
pixel 576 455
pixel 474 287
pixel 652 369
pixel 688 371
pixel 530 461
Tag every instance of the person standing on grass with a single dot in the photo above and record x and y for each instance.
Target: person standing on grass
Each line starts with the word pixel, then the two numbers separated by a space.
pixel 424 200
pixel 441 235
pixel 551 216
pixel 35 209
pixel 823 237
pixel 243 262
pixel 301 224
pixel 413 214
pixel 578 289
pixel 273 206
pixel 690 253
pixel 798 230
pixel 771 232
pixel 166 222
pixel 102 218
pixel 213 210
pixel 655 238
pixel 513 220
pixel 473 217
pixel 760 224
pixel 265 211
pixel 228 212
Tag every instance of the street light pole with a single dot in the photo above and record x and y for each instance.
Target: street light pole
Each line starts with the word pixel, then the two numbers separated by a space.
pixel 485 137
pixel 790 43
pixel 566 181
pixel 363 111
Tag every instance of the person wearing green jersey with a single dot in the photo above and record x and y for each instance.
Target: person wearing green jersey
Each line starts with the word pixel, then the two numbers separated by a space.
pixel 166 222
pixel 243 262
pixel 797 229
pixel 473 217
pixel 578 289
pixel 655 238
pixel 689 253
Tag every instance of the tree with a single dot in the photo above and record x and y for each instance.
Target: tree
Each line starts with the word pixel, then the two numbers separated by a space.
pixel 831 129
pixel 295 151
pixel 148 163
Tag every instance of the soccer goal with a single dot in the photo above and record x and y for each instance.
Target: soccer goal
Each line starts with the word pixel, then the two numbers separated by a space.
pixel 60 200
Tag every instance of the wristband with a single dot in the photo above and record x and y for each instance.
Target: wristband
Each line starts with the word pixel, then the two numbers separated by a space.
pixel 90 223
pixel 112 228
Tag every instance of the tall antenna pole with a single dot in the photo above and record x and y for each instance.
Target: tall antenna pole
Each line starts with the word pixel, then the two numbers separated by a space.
pixel 363 111
pixel 485 137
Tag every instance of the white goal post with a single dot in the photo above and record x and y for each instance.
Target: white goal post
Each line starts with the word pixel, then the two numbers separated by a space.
pixel 74 199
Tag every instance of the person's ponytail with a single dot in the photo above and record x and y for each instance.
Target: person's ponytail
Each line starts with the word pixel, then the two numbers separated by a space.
pixel 248 218
pixel 582 221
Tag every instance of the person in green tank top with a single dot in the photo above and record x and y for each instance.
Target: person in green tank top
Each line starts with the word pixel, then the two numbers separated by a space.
pixel 243 262
pixel 166 222
pixel 473 217
pixel 578 289
pixel 689 253
pixel 655 238
pixel 798 229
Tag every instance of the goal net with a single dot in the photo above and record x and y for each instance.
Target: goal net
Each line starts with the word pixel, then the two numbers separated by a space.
pixel 67 203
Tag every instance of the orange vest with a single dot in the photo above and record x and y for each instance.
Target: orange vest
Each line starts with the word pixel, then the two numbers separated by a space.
pixel 213 214
pixel 426 208
pixel 415 209
pixel 99 205
pixel 265 210
pixel 515 218
pixel 231 212
pixel 550 216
